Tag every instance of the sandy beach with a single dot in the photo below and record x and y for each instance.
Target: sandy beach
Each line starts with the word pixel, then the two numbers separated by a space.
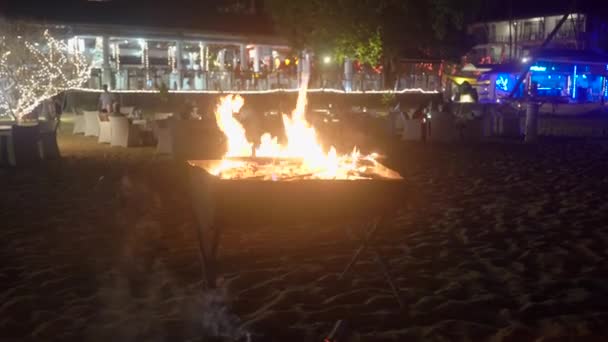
pixel 501 242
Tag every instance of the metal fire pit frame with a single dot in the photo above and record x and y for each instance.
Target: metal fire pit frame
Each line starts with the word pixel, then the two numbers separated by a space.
pixel 218 203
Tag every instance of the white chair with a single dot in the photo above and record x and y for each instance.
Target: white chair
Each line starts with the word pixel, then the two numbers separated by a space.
pixel 162 131
pixel 79 124
pixel 162 116
pixel 126 110
pixel 123 133
pixel 91 124
pixel 105 131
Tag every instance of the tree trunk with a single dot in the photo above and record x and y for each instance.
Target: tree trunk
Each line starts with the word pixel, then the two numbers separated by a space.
pixel 531 122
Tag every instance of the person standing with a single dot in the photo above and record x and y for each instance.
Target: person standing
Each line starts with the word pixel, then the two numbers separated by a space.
pixel 106 100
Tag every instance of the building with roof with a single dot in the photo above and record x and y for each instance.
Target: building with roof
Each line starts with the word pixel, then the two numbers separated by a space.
pixel 572 67
pixel 135 45
pixel 511 30
pixel 559 75
pixel 503 40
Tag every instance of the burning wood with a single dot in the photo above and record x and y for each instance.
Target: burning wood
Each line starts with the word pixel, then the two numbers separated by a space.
pixel 290 169
pixel 303 157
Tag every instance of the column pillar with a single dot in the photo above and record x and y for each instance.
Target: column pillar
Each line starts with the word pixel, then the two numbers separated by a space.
pixel 203 53
pixel 305 67
pixel 222 59
pixel 235 59
pixel 244 58
pixel 348 74
pixel 179 64
pixel 106 76
pixel 299 67
pixel 256 59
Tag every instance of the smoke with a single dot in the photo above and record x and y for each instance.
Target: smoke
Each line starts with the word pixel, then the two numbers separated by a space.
pixel 141 297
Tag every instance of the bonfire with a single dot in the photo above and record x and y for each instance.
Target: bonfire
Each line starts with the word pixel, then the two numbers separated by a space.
pixel 302 157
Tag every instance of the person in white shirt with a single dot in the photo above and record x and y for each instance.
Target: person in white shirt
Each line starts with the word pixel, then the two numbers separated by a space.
pixel 106 100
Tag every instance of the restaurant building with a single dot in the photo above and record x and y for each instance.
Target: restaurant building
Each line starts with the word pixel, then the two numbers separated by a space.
pixel 134 47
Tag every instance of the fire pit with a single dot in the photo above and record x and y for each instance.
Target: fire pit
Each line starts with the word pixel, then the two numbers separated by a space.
pixel 280 184
pixel 290 199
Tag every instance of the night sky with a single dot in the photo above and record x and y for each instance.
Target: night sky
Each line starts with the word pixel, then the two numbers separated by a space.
pixel 490 8
pixel 202 13
pixel 196 14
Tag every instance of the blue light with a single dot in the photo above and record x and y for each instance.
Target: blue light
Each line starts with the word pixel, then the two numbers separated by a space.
pixel 502 83
pixel 538 68
pixel 549 76
pixel 574 84
pixel 584 76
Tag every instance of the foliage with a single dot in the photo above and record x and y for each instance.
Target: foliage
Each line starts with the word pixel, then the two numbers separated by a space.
pixel 368 30
pixel 389 100
pixel 163 93
pixel 342 28
pixel 34 66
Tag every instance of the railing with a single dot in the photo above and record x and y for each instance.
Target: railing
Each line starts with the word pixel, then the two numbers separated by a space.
pixel 137 79
pixel 532 37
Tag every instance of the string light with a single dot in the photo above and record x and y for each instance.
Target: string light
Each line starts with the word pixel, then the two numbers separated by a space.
pixel 31 74
pixel 272 91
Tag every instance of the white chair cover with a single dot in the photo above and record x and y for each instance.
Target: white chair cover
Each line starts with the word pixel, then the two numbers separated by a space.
pixel 79 124
pixel 120 131
pixel 162 130
pixel 91 124
pixel 105 131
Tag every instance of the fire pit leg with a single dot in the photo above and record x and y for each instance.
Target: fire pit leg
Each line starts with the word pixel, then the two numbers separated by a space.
pixel 387 276
pixel 361 249
pixel 365 243
pixel 208 229
pixel 208 253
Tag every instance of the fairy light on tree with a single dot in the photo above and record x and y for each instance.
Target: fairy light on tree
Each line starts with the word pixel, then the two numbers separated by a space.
pixel 35 67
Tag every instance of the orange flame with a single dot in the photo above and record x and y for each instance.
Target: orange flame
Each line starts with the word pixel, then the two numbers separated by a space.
pixel 303 149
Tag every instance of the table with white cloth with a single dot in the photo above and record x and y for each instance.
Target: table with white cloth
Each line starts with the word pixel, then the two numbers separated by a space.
pixel 7 155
